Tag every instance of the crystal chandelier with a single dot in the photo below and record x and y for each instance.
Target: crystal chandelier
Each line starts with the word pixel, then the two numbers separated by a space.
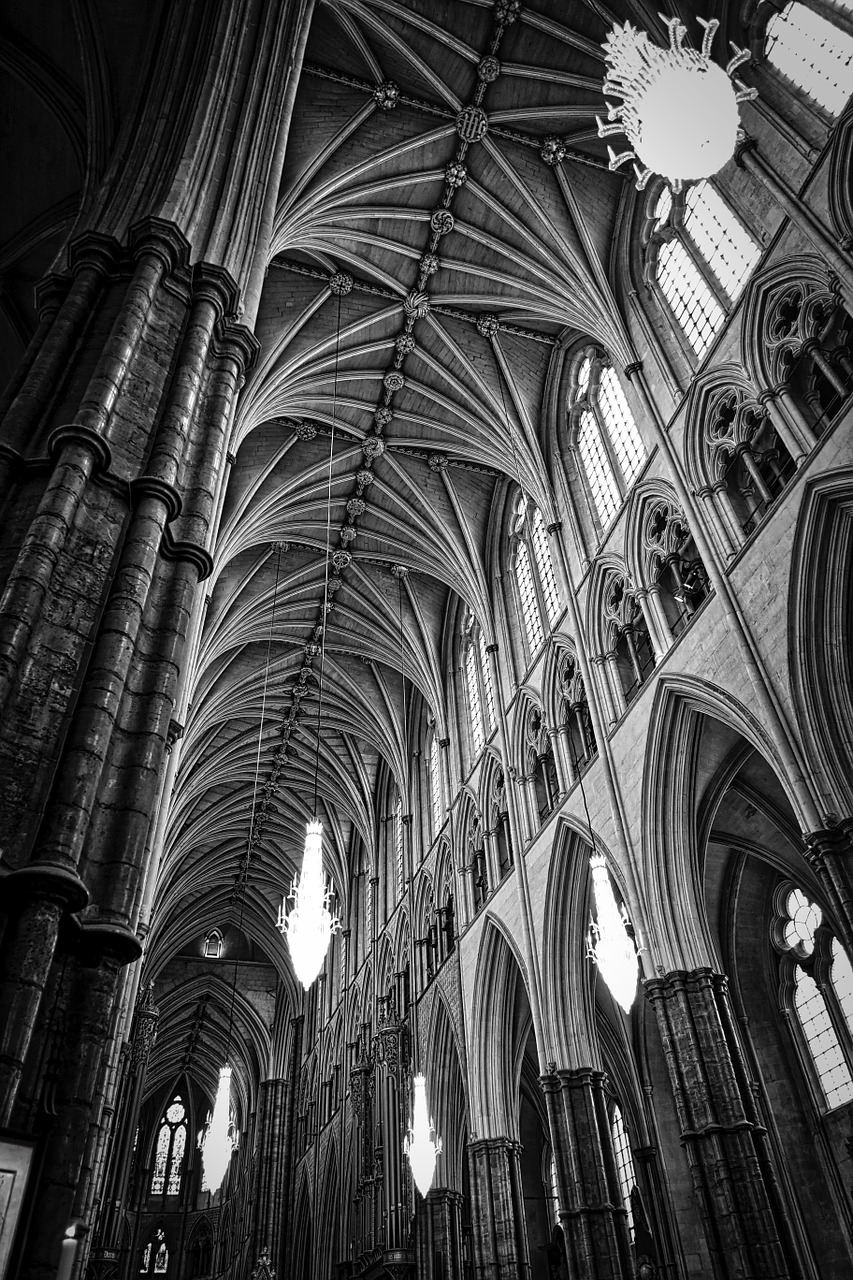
pixel 219 1139
pixel 310 924
pixel 610 945
pixel 421 1144
pixel 679 109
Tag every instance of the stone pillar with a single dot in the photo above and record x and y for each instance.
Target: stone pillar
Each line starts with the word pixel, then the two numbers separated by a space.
pixel 723 1138
pixel 270 1207
pixel 439 1235
pixel 593 1218
pixel 499 1234
pixel 830 853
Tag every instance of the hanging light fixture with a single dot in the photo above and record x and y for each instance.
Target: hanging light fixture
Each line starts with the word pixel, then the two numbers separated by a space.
pixel 421 1144
pixel 610 945
pixel 218 1139
pixel 309 924
pixel 679 109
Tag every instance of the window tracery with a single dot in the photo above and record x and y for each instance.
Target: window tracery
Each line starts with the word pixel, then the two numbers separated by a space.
pixel 479 689
pixel 538 594
pixel 700 258
pixel 677 579
pixel 213 945
pixel 541 765
pixel 476 861
pixel 500 823
pixel 813 53
pixel 806 340
pixel 630 649
pixel 822 997
pixel 605 435
pixel 575 713
pixel 155 1256
pixel 624 1162
pixel 169 1150
pixel 748 462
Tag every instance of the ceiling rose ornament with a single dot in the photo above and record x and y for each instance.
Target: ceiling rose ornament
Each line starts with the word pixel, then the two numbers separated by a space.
pixel 430 263
pixel 487 325
pixel 553 150
pixel 437 462
pixel 356 507
pixel 399 570
pixel 364 479
pixel 421 1144
pixel 455 175
pixel 442 222
pixel 305 430
pixel 679 109
pixel 310 924
pixel 472 124
pixel 386 95
pixel 341 560
pixel 506 11
pixel 610 945
pixel 394 380
pixel 405 344
pixel 373 447
pixel 383 415
pixel 341 284
pixel 488 70
pixel 348 534
pixel 416 305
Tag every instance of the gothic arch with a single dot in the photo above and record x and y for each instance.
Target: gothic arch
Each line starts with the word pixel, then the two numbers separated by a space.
pixel 448 1098
pixel 568 983
pixel 724 383
pixel 820 622
pixel 820 288
pixel 676 919
pixel 500 1027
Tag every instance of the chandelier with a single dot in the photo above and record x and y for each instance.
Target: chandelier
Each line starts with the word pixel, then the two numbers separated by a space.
pixel 421 1144
pixel 219 1139
pixel 610 945
pixel 310 924
pixel 679 109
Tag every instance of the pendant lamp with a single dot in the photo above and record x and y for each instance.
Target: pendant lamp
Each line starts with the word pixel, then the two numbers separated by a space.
pixel 217 1142
pixel 310 924
pixel 610 944
pixel 679 109
pixel 421 1144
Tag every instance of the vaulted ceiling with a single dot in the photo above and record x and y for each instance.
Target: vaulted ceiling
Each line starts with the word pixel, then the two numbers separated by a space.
pixel 390 416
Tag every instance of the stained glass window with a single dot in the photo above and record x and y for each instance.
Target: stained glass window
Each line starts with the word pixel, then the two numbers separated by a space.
pixel 815 55
pixel 155 1256
pixel 169 1151
pixel 804 919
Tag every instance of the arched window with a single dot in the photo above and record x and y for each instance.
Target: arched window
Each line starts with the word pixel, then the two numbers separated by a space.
pixel 434 772
pixel 200 1252
pixel 701 258
pixel 605 435
pixel 624 1162
pixel 813 53
pixel 477 865
pixel 822 997
pixel 169 1151
pixel 479 690
pixel 213 945
pixel 540 764
pixel 538 596
pixel 399 867
pixel 155 1256
pixel 677 581
pixel 744 451
pixel 629 643
pixel 500 824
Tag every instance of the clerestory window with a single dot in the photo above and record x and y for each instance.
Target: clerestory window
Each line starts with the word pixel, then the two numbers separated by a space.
pixel 702 256
pixel 538 595
pixel 821 978
pixel 479 689
pixel 624 1162
pixel 605 437
pixel 169 1151
pixel 434 771
pixel 814 54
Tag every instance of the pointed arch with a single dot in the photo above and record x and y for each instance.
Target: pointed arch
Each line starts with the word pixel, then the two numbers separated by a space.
pixel 568 979
pixel 448 1098
pixel 500 1026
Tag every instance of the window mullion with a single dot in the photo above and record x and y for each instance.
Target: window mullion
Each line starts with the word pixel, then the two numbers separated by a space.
pixel 706 271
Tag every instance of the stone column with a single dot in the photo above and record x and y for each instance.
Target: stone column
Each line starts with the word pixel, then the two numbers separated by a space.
pixel 439 1235
pixel 830 853
pixel 497 1210
pixel 270 1207
pixel 593 1218
pixel 721 1131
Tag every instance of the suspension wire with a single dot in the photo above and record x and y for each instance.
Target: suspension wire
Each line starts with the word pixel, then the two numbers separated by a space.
pixel 328 546
pixel 244 870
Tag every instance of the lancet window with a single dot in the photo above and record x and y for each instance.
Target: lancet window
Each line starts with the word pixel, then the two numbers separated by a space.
pixel 813 53
pixel 213 945
pixel 575 713
pixel 500 823
pixel 479 689
pixel 541 765
pixel 605 436
pixel 538 596
pixel 820 981
pixel 624 1161
pixel 434 776
pixel 701 256
pixel 630 651
pixel 155 1256
pixel 476 859
pixel 169 1150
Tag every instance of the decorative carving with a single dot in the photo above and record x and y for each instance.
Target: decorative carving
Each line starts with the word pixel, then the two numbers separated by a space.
pixel 553 149
pixel 405 344
pixel 364 479
pixel 356 507
pixel 341 284
pixel 263 1269
pixel 399 570
pixel 437 462
pixel 386 95
pixel 145 1028
pixel 383 416
pixel 416 305
pixel 373 447
pixel 488 70
pixel 341 560
pixel 442 222
pixel 348 534
pixel 305 430
pixel 455 175
pixel 394 380
pixel 430 263
pixel 472 124
pixel 487 325
pixel 506 11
